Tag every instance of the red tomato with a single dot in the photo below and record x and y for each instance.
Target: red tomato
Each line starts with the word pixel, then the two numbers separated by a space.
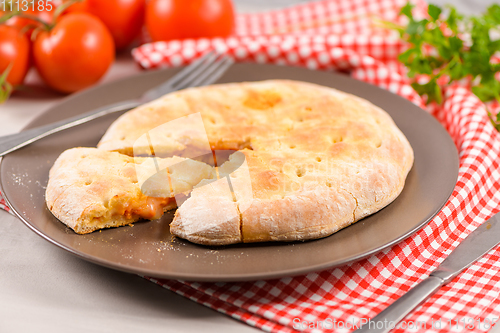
pixel 75 54
pixel 178 19
pixel 80 6
pixel 124 18
pixel 15 50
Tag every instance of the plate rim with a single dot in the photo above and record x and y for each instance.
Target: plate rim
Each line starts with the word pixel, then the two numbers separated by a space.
pixel 229 277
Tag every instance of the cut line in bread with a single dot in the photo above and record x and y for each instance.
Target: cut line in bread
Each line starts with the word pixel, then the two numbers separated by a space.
pixel 91 189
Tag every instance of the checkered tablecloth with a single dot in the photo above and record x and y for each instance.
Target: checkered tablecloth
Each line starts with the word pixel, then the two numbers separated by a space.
pixel 343 35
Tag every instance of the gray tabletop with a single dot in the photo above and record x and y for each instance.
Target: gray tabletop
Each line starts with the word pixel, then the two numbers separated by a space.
pixel 45 289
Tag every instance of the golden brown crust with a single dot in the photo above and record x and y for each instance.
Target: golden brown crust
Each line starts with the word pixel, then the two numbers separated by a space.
pixel 91 189
pixel 318 159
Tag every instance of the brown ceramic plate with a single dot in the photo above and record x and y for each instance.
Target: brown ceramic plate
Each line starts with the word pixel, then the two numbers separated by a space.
pixel 147 248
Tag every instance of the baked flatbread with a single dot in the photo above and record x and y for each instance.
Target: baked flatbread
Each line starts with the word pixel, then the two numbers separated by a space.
pixel 91 189
pixel 315 159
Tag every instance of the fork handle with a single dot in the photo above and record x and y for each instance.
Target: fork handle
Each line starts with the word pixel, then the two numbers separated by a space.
pixel 10 143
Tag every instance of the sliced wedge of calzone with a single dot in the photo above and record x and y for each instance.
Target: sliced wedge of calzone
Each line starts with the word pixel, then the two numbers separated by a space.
pixel 91 189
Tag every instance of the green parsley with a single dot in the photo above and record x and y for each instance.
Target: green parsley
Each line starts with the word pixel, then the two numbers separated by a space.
pixel 452 46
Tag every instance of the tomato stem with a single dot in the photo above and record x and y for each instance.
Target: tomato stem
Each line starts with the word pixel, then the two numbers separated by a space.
pixel 5 87
pixel 59 10
pixel 45 25
pixel 4 18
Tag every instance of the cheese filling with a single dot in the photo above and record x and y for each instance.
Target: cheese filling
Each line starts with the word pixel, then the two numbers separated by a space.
pixel 122 214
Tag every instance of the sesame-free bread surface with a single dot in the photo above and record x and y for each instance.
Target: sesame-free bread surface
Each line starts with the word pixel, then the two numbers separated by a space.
pixel 315 159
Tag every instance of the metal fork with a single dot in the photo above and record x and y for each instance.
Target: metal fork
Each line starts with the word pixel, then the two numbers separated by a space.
pixel 205 70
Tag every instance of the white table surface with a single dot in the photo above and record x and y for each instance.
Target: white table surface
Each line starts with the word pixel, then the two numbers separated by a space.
pixel 45 289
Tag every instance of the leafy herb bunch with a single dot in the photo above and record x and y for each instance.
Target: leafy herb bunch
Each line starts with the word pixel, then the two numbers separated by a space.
pixel 450 47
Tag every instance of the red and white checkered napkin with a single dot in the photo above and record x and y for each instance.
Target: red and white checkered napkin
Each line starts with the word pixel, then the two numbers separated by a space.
pixel 341 35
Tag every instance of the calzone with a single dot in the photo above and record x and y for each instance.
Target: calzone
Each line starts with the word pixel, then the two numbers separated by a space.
pixel 310 159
